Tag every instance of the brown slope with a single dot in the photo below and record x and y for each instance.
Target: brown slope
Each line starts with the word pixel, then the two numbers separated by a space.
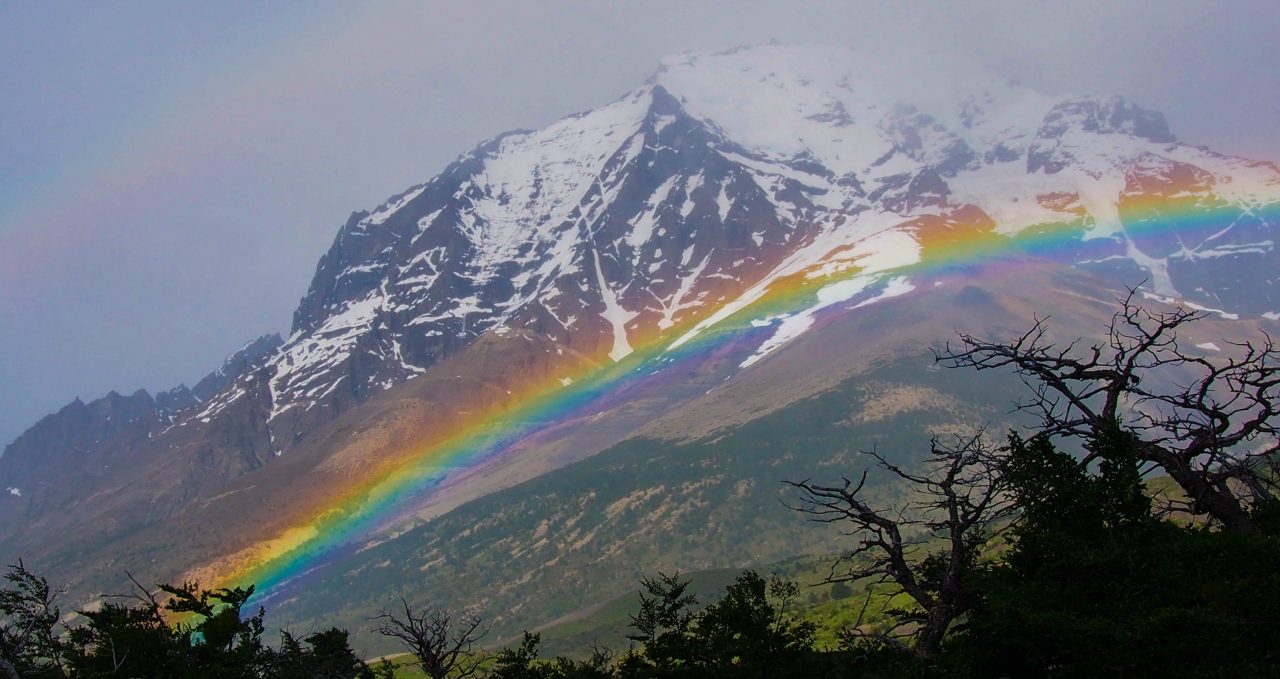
pixel 119 527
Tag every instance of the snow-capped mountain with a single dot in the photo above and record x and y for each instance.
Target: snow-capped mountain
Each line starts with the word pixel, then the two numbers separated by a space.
pixel 685 201
pixel 731 169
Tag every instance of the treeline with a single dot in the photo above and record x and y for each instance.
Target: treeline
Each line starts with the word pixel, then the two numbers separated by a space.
pixel 1151 549
pixel 193 633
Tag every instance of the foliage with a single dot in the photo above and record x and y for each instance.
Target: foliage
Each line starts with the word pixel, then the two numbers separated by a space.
pixel 195 634
pixel 664 624
pixel 749 629
pixel 747 633
pixel 1096 585
pixel 29 647
pixel 522 663
pixel 323 655
pixel 134 637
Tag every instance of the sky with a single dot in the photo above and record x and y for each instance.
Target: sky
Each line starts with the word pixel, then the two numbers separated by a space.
pixel 171 172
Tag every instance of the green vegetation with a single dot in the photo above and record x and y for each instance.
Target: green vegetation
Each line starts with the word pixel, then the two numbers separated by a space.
pixel 559 545
pixel 1096 585
pixel 194 634
pixel 831 607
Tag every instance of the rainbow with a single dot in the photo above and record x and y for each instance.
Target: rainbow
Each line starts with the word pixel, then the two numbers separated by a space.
pixel 266 81
pixel 966 241
pixel 43 219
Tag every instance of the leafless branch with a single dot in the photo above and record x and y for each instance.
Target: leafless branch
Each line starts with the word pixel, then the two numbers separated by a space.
pixel 442 643
pixel 962 498
pixel 1195 418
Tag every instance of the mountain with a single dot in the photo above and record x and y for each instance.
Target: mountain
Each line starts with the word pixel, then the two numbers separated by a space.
pixel 748 232
pixel 84 444
pixel 624 221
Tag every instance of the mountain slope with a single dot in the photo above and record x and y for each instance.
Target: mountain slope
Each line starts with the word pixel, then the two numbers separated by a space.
pixel 86 446
pixel 722 242
pixel 700 485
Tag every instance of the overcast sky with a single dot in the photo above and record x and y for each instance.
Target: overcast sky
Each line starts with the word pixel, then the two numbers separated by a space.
pixel 171 172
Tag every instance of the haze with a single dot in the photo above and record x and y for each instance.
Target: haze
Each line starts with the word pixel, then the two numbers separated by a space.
pixel 170 175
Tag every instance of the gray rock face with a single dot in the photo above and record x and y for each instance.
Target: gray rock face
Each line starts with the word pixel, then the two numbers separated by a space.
pixel 1092 116
pixel 1113 115
pixel 172 401
pixel 74 451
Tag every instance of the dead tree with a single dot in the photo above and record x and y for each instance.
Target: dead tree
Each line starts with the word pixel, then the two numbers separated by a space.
pixel 444 645
pixel 1212 430
pixel 957 500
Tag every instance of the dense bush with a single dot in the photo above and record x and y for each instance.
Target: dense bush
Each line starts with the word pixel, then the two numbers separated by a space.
pixel 196 633
pixel 1096 585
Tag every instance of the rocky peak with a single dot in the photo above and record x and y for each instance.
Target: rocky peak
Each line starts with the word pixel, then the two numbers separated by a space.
pixel 72 440
pixel 1110 115
pixel 236 365
pixel 1070 132
pixel 624 221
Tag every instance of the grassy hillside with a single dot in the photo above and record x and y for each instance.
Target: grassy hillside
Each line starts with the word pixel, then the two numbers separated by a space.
pixel 832 608
pixel 562 545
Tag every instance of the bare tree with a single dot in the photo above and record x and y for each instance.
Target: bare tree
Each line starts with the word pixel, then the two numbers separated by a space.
pixel 442 643
pixel 959 498
pixel 1212 429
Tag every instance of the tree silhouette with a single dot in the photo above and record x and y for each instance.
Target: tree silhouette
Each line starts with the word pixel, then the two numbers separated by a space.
pixel 961 498
pixel 28 613
pixel 131 634
pixel 323 655
pixel 1094 584
pixel 442 643
pixel 748 632
pixel 1196 419
pixel 664 623
pixel 522 662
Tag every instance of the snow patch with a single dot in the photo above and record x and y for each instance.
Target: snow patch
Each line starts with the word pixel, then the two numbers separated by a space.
pixel 723 202
pixel 826 255
pixel 614 314
pixel 661 123
pixel 644 223
pixel 677 303
pixel 896 287
pixel 1164 299
pixel 384 213
pixel 1224 314
pixel 794 325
